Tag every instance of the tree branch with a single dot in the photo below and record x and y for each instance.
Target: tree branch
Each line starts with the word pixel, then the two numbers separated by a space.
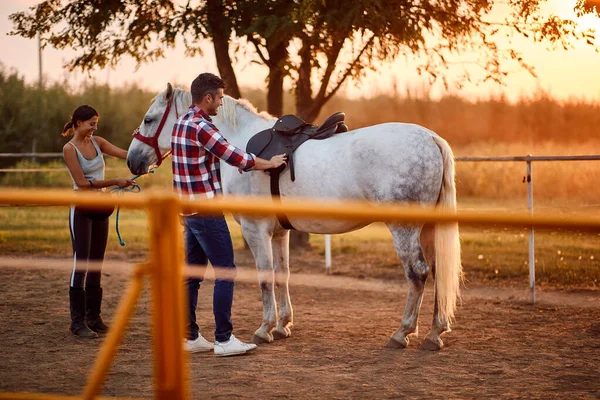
pixel 349 69
pixel 332 57
pixel 258 50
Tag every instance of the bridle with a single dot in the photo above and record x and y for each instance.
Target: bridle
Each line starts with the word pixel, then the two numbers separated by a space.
pixel 152 141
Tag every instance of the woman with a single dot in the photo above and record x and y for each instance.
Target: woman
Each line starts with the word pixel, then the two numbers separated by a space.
pixel 83 155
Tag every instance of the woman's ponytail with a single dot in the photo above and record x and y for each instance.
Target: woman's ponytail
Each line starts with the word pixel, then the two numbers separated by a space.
pixel 67 128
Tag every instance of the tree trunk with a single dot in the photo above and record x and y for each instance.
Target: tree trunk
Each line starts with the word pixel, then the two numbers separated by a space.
pixel 303 88
pixel 275 92
pixel 221 31
pixel 277 58
pixel 221 45
pixel 308 106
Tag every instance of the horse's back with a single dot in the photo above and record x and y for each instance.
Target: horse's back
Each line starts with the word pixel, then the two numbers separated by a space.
pixel 388 162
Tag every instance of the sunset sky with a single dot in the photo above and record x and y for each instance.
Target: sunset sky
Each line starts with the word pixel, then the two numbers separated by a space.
pixel 572 74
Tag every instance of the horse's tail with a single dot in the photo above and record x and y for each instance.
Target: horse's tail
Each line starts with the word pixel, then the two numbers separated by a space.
pixel 448 267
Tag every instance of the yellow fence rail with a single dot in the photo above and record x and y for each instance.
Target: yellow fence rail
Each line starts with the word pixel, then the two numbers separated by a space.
pixel 165 267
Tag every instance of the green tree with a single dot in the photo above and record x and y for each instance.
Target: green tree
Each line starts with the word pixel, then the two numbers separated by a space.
pixel 317 44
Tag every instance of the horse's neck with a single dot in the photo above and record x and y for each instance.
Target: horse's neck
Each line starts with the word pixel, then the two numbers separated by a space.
pixel 184 101
pixel 239 126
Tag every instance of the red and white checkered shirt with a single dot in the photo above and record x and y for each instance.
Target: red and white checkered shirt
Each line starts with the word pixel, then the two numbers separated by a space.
pixel 196 147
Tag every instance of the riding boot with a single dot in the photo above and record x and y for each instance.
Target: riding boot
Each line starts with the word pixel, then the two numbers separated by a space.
pixel 93 303
pixel 77 306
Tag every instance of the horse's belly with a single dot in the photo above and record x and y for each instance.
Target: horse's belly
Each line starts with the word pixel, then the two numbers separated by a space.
pixel 325 226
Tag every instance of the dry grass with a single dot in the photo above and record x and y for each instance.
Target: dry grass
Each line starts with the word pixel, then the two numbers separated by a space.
pixel 489 253
pixel 531 120
pixel 555 183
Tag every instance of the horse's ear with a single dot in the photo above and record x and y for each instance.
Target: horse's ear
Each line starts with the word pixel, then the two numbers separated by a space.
pixel 169 93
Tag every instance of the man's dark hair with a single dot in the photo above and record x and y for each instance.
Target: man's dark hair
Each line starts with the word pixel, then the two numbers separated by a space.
pixel 204 84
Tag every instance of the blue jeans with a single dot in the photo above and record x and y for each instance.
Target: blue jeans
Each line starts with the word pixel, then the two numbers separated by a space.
pixel 208 239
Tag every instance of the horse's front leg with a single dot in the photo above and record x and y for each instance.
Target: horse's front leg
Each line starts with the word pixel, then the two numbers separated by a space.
pixel 281 261
pixel 258 238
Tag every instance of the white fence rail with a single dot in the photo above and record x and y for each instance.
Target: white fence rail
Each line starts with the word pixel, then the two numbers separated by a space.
pixel 529 159
pixel 30 155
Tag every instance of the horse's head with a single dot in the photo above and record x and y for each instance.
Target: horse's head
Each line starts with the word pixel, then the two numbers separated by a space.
pixel 152 140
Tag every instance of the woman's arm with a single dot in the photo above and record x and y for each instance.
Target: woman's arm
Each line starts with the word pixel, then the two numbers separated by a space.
pixel 121 182
pixel 72 162
pixel 110 149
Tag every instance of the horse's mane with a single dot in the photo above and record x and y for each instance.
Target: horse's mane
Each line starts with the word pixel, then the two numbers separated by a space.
pixel 228 111
pixel 176 91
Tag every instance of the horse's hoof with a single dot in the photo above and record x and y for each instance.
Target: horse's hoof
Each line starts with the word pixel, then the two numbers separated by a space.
pixel 258 340
pixel 430 345
pixel 279 335
pixel 394 344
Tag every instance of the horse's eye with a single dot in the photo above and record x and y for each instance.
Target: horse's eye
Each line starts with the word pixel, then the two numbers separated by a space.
pixel 147 120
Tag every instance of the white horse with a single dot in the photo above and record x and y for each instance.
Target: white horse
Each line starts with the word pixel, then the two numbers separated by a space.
pixel 392 162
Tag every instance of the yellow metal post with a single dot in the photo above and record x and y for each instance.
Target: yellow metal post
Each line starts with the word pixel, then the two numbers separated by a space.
pixel 166 259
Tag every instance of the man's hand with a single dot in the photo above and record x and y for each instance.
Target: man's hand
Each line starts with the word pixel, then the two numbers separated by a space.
pixel 275 161
pixel 278 160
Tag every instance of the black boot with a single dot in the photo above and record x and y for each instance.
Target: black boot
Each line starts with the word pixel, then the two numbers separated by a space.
pixel 93 303
pixel 77 306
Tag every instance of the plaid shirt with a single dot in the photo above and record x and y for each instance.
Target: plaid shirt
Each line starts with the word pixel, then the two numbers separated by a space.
pixel 196 147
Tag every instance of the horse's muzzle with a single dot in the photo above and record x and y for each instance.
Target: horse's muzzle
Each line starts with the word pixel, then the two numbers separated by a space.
pixel 137 164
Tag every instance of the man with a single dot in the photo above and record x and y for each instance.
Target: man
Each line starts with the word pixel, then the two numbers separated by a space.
pixel 197 146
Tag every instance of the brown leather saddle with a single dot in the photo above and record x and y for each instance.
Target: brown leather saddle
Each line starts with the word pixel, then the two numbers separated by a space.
pixel 289 133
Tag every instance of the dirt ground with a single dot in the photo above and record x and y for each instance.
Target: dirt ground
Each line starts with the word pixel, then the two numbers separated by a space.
pixel 500 347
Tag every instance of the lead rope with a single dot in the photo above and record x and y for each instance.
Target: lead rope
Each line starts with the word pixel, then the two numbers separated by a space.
pixel 120 191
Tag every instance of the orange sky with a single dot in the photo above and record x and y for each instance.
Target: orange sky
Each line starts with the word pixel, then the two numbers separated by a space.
pixel 563 74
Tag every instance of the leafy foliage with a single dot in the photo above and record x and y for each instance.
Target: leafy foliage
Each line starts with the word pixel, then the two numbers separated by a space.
pixel 318 44
pixel 588 7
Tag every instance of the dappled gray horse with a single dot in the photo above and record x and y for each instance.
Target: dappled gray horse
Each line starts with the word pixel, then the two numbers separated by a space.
pixel 386 163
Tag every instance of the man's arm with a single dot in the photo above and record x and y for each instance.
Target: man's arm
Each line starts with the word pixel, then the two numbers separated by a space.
pixel 210 138
pixel 215 143
pixel 274 162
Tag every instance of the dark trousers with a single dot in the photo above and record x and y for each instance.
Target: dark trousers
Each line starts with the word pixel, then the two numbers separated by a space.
pixel 88 237
pixel 208 239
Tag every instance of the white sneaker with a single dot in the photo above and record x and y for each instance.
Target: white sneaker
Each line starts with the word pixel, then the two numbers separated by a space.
pixel 232 347
pixel 199 345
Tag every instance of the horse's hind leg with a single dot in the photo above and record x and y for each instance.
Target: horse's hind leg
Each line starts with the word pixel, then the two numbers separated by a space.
pixel 281 263
pixel 440 324
pixel 259 241
pixel 406 242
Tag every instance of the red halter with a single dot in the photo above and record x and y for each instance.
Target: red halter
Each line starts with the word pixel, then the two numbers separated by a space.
pixel 152 141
